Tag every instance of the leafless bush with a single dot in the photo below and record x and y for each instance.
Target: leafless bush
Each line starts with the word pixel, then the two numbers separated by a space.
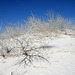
pixel 22 49
pixel 29 54
pixel 53 26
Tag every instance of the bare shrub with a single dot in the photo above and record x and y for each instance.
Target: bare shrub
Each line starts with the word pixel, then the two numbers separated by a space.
pixel 53 26
pixel 22 49
pixel 58 24
pixel 28 53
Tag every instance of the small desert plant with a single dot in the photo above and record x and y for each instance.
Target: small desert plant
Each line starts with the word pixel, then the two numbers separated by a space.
pixel 50 26
pixel 21 49
pixel 29 54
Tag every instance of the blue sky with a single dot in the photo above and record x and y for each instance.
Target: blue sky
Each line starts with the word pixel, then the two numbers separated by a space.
pixel 12 10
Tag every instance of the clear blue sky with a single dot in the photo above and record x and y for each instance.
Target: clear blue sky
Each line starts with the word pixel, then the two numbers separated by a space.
pixel 12 10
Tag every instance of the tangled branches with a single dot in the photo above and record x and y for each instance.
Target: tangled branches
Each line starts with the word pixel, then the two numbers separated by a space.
pixel 30 55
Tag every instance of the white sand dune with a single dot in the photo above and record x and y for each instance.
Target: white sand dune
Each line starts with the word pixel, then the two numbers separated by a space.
pixel 61 56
